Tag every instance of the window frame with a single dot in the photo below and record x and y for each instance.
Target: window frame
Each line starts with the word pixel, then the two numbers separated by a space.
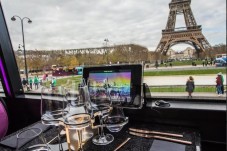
pixel 10 76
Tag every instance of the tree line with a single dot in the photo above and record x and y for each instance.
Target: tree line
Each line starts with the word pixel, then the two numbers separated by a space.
pixel 132 53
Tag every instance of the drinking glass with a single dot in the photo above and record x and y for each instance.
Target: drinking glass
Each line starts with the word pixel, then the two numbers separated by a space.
pixel 100 104
pixel 77 120
pixel 72 96
pixel 53 106
pixel 116 119
pixel 75 101
pixel 72 89
pixel 28 134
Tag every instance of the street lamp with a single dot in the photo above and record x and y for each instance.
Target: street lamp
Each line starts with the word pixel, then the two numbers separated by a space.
pixel 107 58
pixel 22 26
pixel 19 48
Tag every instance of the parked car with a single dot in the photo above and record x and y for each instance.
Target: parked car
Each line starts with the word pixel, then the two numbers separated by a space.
pixel 220 62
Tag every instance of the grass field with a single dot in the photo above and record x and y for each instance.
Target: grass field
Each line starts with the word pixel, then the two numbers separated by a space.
pixel 184 72
pixel 63 81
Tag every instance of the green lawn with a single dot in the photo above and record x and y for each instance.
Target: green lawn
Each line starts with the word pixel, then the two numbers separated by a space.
pixel 63 81
pixel 184 72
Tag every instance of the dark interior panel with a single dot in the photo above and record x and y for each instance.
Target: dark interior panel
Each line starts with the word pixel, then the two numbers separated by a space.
pixel 22 112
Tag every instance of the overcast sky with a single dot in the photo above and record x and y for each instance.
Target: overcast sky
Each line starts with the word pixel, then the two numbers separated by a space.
pixel 69 24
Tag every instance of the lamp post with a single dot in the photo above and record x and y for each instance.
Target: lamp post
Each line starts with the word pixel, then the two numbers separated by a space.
pixel 22 27
pixel 107 58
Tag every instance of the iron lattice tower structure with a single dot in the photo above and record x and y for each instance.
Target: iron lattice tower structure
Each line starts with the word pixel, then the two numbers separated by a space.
pixel 191 34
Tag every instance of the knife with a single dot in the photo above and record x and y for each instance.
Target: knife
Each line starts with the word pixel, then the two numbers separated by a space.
pixel 161 137
pixel 155 132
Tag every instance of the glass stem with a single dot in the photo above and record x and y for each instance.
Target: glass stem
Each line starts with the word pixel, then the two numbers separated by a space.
pixel 59 139
pixel 17 144
pixel 101 129
pixel 80 139
pixel 44 139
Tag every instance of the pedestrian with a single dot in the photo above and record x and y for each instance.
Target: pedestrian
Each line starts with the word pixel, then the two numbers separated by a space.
pixel 36 82
pixel 165 64
pixel 206 62
pixel 44 77
pixel 40 82
pixel 170 64
pixel 190 86
pixel 222 82
pixel 203 63
pixel 219 84
pixel 54 82
pixel 24 82
pixel 30 82
pixel 156 64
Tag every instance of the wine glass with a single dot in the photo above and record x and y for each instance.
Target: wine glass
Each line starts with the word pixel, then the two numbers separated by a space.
pixel 75 101
pixel 53 108
pixel 116 119
pixel 100 104
pixel 28 134
pixel 72 89
pixel 77 120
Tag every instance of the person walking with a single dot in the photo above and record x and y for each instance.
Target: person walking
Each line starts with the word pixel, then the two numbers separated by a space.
pixel 54 82
pixel 44 77
pixel 203 63
pixel 24 83
pixel 36 82
pixel 170 64
pixel 156 64
pixel 219 84
pixel 190 86
pixel 222 83
pixel 206 62
pixel 30 82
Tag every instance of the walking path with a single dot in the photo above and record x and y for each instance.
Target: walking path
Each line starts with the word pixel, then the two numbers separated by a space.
pixel 186 67
pixel 197 94
pixel 181 80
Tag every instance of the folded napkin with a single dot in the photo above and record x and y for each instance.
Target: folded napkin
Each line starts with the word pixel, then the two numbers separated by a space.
pixel 11 140
pixel 159 145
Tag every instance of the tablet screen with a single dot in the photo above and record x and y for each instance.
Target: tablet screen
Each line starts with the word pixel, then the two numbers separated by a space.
pixel 117 83
pixel 122 82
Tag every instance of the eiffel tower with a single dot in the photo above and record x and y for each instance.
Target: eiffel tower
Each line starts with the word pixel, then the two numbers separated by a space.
pixel 191 34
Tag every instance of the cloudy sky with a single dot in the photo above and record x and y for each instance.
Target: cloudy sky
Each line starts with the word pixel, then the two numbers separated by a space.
pixel 68 24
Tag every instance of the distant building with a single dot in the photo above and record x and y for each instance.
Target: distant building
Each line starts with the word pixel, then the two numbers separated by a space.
pixel 188 53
